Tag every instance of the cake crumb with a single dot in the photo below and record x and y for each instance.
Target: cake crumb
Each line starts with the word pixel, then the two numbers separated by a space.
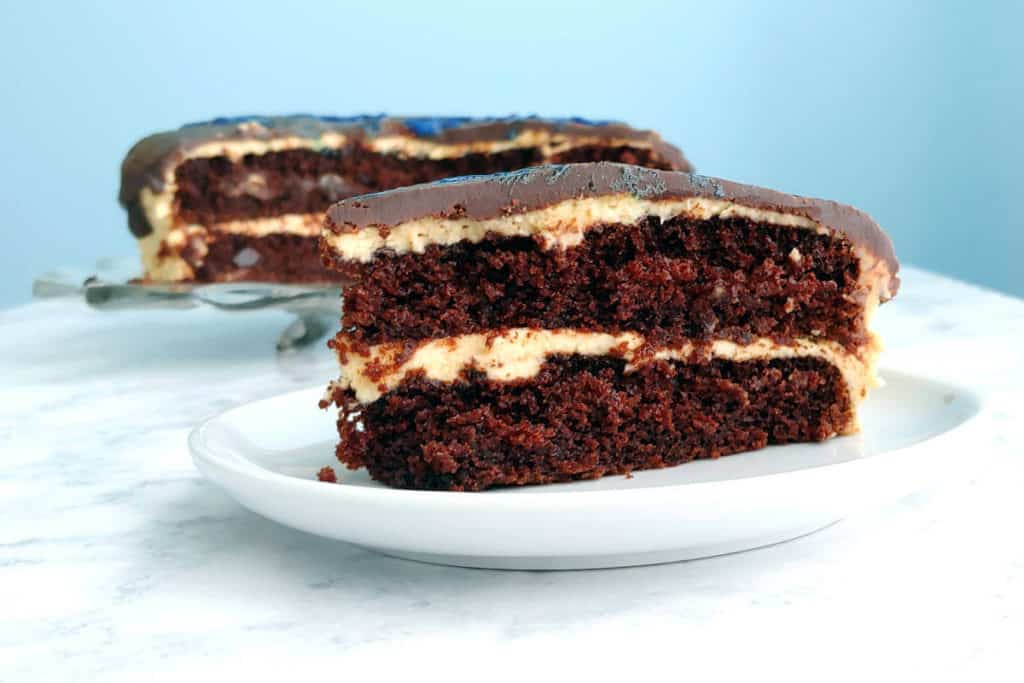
pixel 327 474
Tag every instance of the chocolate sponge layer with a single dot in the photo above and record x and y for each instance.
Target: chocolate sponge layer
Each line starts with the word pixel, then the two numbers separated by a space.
pixel 216 189
pixel 683 279
pixel 583 418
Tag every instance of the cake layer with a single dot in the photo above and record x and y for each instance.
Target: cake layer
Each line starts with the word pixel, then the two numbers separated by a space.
pixel 583 417
pixel 227 257
pixel 610 247
pixel 672 279
pixel 217 189
pixel 225 174
pixel 513 355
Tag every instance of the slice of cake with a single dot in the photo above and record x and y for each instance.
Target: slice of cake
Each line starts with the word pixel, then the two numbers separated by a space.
pixel 243 199
pixel 568 322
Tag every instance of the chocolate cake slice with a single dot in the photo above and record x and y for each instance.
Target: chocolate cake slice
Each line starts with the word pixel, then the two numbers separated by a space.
pixel 572 321
pixel 243 199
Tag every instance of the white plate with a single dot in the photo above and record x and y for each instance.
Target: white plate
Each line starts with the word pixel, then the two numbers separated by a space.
pixel 265 454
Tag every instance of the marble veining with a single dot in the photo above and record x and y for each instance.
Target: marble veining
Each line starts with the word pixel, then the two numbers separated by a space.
pixel 119 562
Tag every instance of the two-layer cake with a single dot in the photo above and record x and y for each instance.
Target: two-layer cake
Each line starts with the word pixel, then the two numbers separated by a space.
pixel 243 198
pixel 572 321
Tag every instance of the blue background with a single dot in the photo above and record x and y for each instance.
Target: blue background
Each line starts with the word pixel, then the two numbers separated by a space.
pixel 911 111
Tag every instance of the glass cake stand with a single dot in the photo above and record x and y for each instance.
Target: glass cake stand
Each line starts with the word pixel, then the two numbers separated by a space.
pixel 112 285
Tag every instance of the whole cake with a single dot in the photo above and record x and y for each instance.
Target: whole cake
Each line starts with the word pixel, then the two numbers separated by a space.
pixel 243 198
pixel 572 321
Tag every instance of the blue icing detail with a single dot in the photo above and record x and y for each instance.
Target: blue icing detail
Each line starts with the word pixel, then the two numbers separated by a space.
pixel 553 171
pixel 420 126
pixel 586 122
pixel 523 175
pixel 708 185
pixel 371 122
pixel 432 126
pixel 501 176
pixel 639 182
pixel 557 173
pixel 457 179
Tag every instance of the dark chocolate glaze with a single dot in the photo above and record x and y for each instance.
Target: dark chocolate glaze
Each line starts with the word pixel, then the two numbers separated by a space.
pixel 490 196
pixel 147 162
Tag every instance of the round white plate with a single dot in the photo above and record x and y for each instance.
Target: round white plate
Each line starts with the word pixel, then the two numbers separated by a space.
pixel 265 454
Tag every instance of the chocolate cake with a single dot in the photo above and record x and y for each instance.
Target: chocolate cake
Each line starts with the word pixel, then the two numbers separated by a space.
pixel 572 321
pixel 243 198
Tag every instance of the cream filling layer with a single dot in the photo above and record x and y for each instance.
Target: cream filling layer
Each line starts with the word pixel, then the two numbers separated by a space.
pixel 519 353
pixel 547 142
pixel 560 226
pixel 235 150
pixel 304 224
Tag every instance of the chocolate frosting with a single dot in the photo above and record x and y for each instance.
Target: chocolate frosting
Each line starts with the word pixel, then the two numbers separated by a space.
pixel 148 161
pixel 490 196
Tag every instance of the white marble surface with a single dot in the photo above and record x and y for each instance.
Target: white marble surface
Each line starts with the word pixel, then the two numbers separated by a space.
pixel 117 560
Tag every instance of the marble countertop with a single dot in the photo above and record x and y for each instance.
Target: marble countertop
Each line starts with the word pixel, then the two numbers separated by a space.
pixel 118 561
